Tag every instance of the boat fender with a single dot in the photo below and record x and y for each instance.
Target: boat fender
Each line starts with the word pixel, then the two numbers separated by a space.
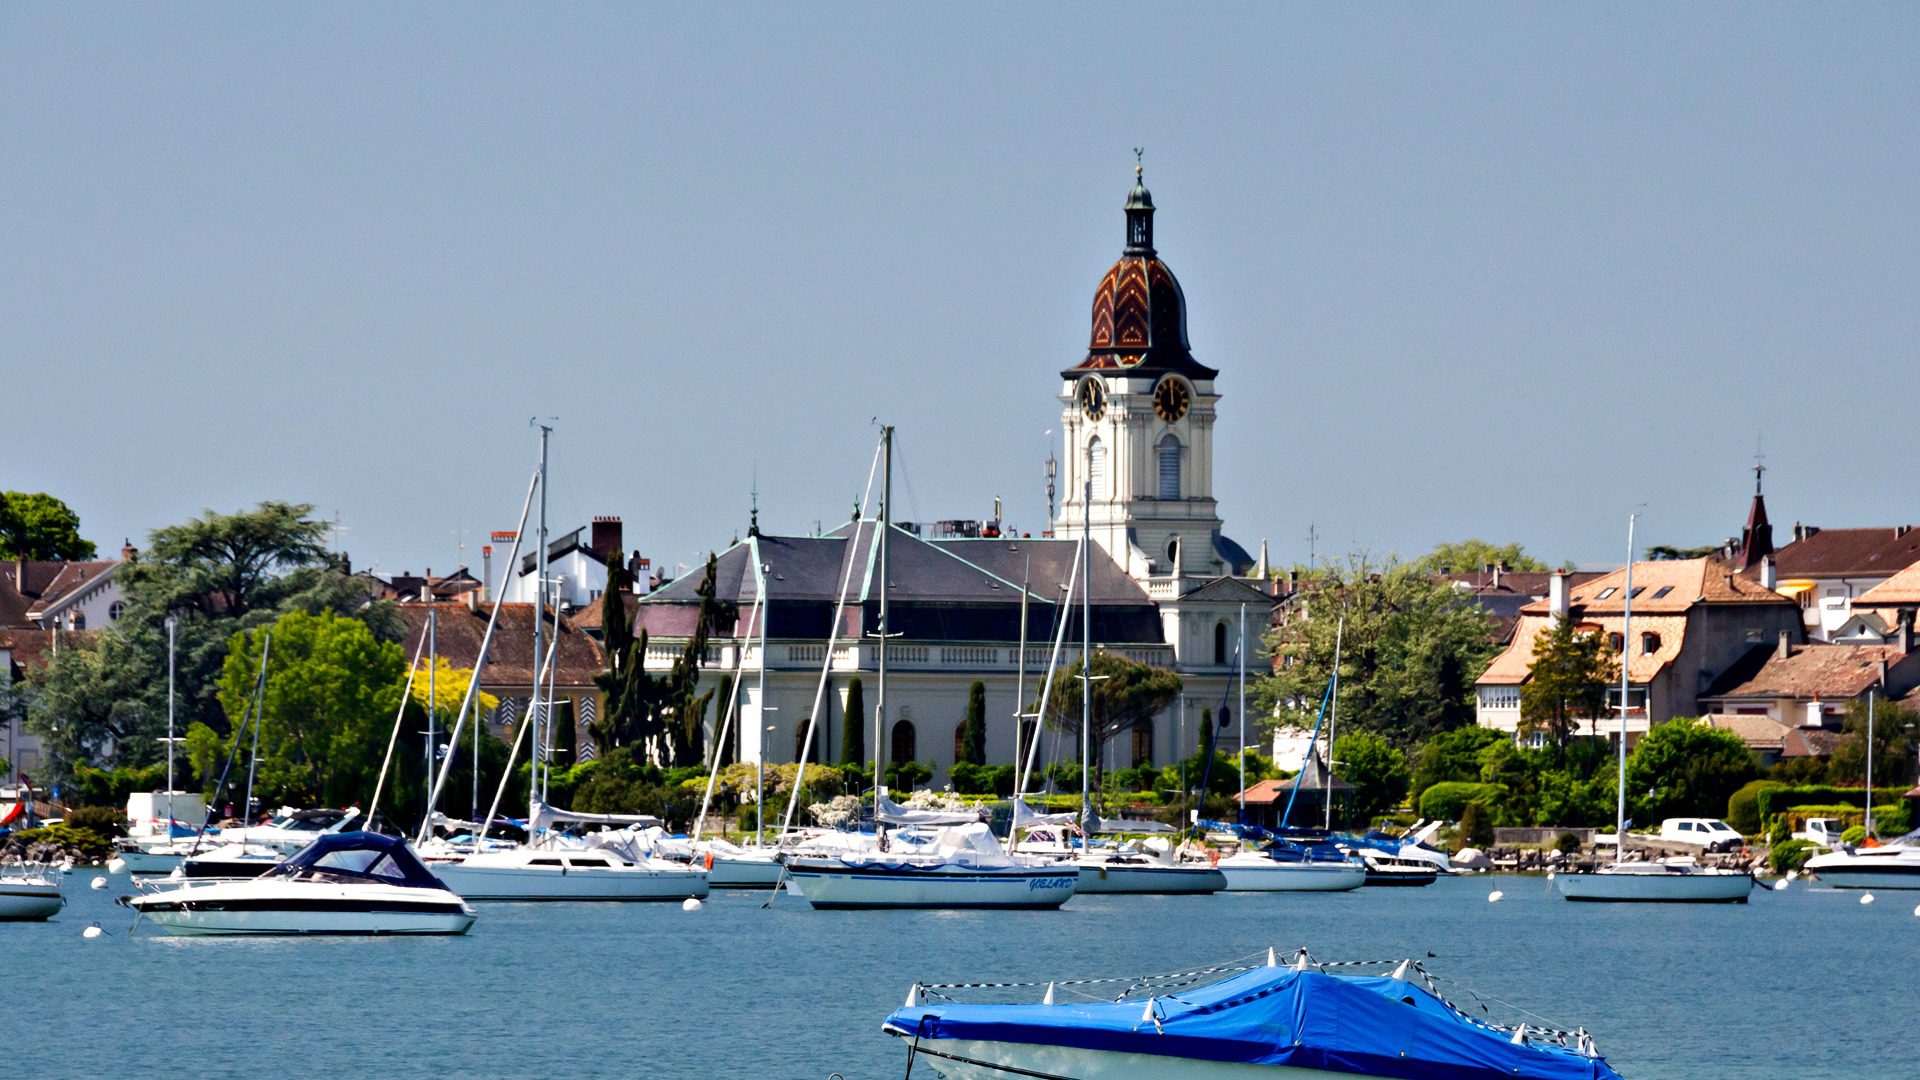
pixel 709 860
pixel 1213 858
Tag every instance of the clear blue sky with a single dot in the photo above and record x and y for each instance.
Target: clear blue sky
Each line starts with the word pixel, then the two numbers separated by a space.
pixel 1505 271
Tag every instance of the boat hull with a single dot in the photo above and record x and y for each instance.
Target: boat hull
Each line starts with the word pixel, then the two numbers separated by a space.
pixel 244 909
pixel 534 883
pixel 22 901
pixel 972 1059
pixel 834 885
pixel 729 873
pixel 149 862
pixel 1275 876
pixel 1160 880
pixel 1656 888
pixel 1400 878
pixel 1868 877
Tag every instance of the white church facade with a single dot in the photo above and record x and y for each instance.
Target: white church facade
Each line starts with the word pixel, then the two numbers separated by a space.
pixel 1167 587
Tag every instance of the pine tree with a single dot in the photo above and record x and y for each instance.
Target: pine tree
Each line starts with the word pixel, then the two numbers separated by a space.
pixel 973 736
pixel 853 738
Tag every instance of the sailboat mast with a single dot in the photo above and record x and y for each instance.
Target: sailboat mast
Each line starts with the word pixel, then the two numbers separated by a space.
pixel 1020 686
pixel 880 698
pixel 170 743
pixel 1240 654
pixel 260 709
pixel 1333 713
pixel 536 792
pixel 1626 652
pixel 1086 649
pixel 433 701
pixel 1868 819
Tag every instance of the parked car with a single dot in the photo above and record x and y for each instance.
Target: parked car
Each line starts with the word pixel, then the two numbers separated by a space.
pixel 1711 834
pixel 1824 831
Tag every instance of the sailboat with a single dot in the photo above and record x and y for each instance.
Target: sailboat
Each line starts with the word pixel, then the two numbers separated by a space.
pixel 960 864
pixel 1679 880
pixel 610 865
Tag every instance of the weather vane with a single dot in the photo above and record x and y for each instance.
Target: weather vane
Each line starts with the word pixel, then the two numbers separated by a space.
pixel 1139 152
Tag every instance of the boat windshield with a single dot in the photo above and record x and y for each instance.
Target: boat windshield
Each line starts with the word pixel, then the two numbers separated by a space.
pixel 357 858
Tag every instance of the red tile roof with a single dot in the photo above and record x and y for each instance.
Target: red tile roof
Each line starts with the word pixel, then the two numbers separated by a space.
pixel 1668 586
pixel 1876 552
pixel 1818 670
pixel 510 659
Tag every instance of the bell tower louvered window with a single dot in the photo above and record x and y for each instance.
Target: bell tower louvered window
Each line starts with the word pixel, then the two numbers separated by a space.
pixel 1170 468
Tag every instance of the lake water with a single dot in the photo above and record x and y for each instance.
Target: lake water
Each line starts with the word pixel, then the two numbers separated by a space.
pixel 1805 984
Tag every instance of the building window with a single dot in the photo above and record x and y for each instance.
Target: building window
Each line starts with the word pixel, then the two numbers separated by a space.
pixel 1636 699
pixel 1097 467
pixel 800 744
pixel 1170 468
pixel 1173 554
pixel 1499 697
pixel 78 621
pixel 1664 590
pixel 1220 643
pixel 1616 642
pixel 1606 592
pixel 1226 717
pixel 119 608
pixel 1649 643
pixel 903 742
pixel 1143 743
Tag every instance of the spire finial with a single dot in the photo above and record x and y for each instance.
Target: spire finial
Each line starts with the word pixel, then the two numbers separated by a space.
pixel 1759 459
pixel 753 522
pixel 1139 155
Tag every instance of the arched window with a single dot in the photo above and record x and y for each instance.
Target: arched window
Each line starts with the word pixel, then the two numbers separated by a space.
pixel 800 745
pixel 1170 468
pixel 1220 642
pixel 1143 743
pixel 903 742
pixel 1226 717
pixel 1097 466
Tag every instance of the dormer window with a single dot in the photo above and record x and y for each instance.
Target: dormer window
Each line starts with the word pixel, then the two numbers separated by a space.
pixel 1649 643
pixel 1606 592
pixel 1615 642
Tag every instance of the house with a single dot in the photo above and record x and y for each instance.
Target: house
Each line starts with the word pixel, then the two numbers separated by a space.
pixel 20 651
pixel 459 627
pixel 1692 619
pixel 1885 613
pixel 77 594
pixel 577 565
pixel 1501 593
pixel 406 587
pixel 1810 685
pixel 1267 800
pixel 1828 570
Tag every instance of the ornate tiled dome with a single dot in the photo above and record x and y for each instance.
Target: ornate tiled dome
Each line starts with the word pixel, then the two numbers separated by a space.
pixel 1139 312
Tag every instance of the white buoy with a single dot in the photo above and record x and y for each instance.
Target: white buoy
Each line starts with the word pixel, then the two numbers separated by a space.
pixel 116 864
pixel 1866 898
pixel 1780 886
pixel 691 903
pixel 1495 896
pixel 1916 912
pixel 92 932
pixel 1793 875
pixel 99 883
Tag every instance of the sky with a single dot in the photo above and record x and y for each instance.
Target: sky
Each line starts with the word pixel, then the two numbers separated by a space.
pixel 1498 271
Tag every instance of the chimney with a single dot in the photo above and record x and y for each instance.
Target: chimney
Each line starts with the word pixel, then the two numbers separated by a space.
pixel 1816 717
pixel 486 570
pixel 640 574
pixel 1557 594
pixel 1769 574
pixel 1499 569
pixel 606 541
pixel 1906 630
pixel 1785 648
pixel 472 597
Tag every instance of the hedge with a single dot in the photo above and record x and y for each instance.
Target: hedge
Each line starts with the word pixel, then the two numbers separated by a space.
pixel 1447 800
pixel 1888 820
pixel 1743 806
pixel 1779 800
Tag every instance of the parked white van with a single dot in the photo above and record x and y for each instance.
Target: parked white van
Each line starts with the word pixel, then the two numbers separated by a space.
pixel 1709 833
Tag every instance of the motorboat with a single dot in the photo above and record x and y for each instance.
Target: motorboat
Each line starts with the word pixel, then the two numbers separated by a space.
pixel 1396 870
pixel 229 861
pixel 342 883
pixel 610 866
pixel 1893 865
pixel 1275 1021
pixel 1679 880
pixel 29 893
pixel 731 866
pixel 1415 845
pixel 1298 861
pixel 289 830
pixel 1150 866
pixel 962 867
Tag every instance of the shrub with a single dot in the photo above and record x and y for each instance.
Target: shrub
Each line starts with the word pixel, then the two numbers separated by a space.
pixel 91 845
pixel 1743 806
pixel 1779 800
pixel 1567 844
pixel 907 775
pixel 970 779
pixel 110 787
pixel 1791 855
pixel 1448 800
pixel 100 820
pixel 1854 835
pixel 1138 778
pixel 1476 826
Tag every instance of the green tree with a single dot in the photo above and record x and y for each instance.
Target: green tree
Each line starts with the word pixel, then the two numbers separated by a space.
pixel 37 526
pixel 1451 756
pixel 325 717
pixel 1411 651
pixel 1683 768
pixel 625 683
pixel 1469 556
pixel 1377 770
pixel 1125 693
pixel 94 702
pixel 853 725
pixel 1893 746
pixel 973 735
pixel 1567 683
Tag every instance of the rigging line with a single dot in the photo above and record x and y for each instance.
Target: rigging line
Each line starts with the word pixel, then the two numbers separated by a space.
pixel 393 739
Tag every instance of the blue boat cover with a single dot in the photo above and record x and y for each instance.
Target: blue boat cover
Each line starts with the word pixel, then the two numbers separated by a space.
pixel 359 856
pixel 1357 1025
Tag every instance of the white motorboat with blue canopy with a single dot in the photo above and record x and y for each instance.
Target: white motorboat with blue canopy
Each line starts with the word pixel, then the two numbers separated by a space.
pixel 342 883
pixel 1232 1023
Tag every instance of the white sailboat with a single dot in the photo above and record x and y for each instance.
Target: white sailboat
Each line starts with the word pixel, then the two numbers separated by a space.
pixel 1660 881
pixel 600 867
pixel 964 866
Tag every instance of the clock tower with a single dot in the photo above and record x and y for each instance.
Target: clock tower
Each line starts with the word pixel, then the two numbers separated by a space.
pixel 1137 421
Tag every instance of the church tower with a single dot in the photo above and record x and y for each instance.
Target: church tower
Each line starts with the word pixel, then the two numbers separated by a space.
pixel 1137 420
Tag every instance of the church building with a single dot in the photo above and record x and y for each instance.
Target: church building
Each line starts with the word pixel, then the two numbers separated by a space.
pixel 1168 588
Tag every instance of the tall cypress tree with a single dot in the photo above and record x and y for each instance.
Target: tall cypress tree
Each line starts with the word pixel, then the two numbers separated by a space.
pixel 973 735
pixel 853 730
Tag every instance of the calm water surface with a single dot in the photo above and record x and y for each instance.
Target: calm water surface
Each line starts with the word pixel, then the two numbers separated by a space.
pixel 1806 984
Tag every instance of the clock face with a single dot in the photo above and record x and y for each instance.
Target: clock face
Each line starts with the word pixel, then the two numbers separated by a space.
pixel 1171 398
pixel 1093 398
